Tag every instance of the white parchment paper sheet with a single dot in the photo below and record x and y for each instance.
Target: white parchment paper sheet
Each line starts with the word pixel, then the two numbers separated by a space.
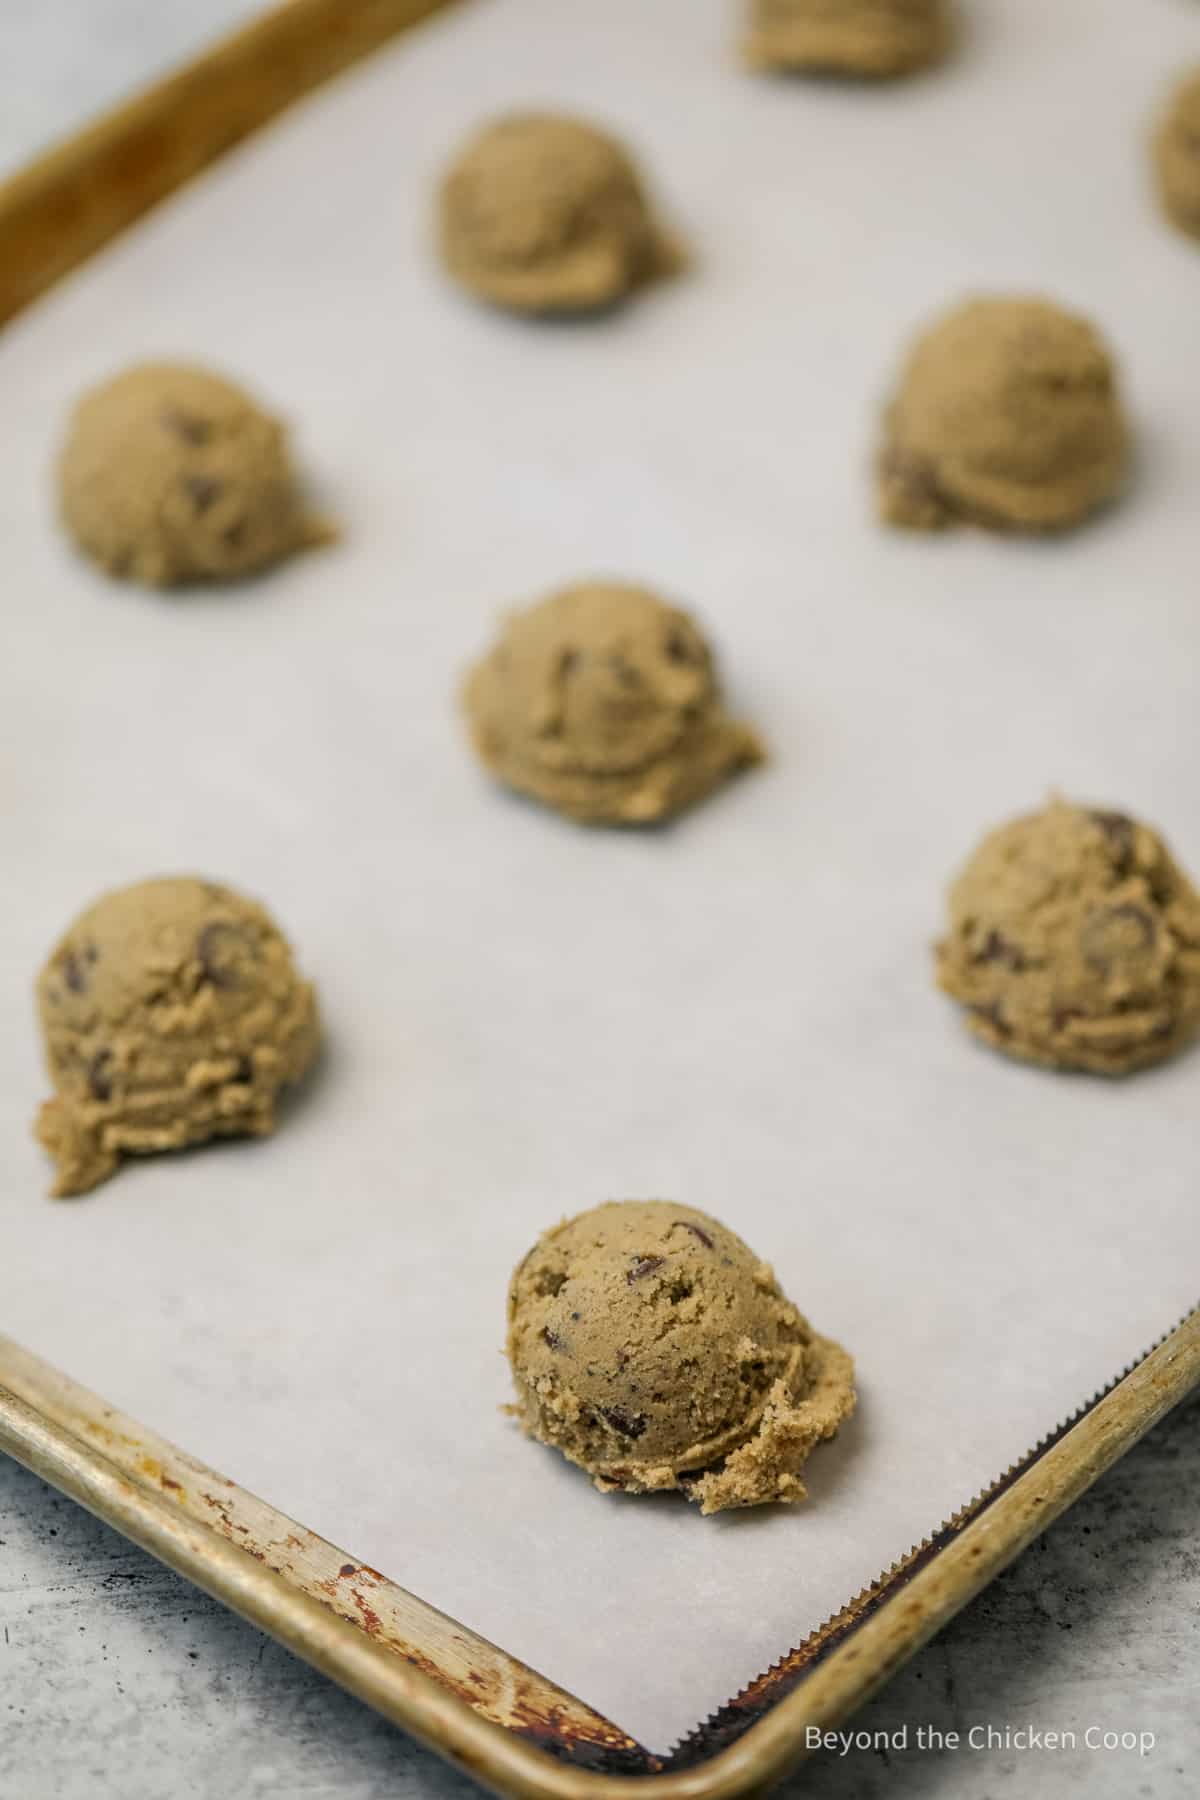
pixel 525 1018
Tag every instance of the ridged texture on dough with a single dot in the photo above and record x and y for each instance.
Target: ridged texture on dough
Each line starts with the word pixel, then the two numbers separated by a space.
pixel 652 1347
pixel 172 1012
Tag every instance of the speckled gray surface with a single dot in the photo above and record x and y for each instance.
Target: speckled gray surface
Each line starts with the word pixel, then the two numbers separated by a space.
pixel 119 1682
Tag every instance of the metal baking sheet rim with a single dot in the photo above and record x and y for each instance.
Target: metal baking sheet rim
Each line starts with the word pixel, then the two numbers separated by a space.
pixel 467 1699
pixel 470 1701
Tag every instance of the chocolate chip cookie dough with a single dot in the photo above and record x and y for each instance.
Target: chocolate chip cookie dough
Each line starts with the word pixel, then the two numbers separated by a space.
pixel 546 214
pixel 651 1347
pixel 868 38
pixel 603 702
pixel 170 474
pixel 1074 940
pixel 172 1012
pixel 1177 156
pixel 1007 415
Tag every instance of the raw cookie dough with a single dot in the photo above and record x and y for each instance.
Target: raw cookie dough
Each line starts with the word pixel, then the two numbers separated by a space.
pixel 1074 941
pixel 602 702
pixel 547 214
pixel 172 1012
pixel 874 38
pixel 1177 156
pixel 651 1347
pixel 1007 415
pixel 170 474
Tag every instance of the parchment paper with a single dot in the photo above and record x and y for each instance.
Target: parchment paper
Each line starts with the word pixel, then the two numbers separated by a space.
pixel 525 1018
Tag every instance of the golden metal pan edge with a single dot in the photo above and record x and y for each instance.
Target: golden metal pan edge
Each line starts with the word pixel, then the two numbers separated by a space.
pixel 72 200
pixel 175 1505
pixel 467 1699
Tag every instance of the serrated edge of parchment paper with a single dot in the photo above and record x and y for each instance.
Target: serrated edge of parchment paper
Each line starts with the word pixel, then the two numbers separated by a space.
pixel 749 1703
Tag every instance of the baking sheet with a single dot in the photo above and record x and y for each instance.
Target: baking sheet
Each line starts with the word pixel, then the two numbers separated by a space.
pixel 525 1018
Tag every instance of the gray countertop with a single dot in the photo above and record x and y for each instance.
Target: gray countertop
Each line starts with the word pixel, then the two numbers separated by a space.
pixel 118 1679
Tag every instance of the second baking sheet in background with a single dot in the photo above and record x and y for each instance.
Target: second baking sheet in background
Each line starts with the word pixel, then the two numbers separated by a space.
pixel 524 1018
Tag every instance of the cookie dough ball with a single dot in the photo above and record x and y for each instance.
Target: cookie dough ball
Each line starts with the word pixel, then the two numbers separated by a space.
pixel 871 38
pixel 545 214
pixel 602 702
pixel 651 1347
pixel 1074 941
pixel 1177 156
pixel 170 475
pixel 1007 415
pixel 172 1012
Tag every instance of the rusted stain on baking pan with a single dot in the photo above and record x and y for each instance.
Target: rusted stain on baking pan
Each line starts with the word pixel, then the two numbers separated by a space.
pixel 754 1701
pixel 555 1729
pixel 469 1667
pixel 523 1702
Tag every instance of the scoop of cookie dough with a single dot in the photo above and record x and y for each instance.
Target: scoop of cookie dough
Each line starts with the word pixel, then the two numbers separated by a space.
pixel 1177 156
pixel 172 1012
pixel 603 702
pixel 1074 940
pixel 1007 415
pixel 170 474
pixel 651 1347
pixel 547 214
pixel 872 38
